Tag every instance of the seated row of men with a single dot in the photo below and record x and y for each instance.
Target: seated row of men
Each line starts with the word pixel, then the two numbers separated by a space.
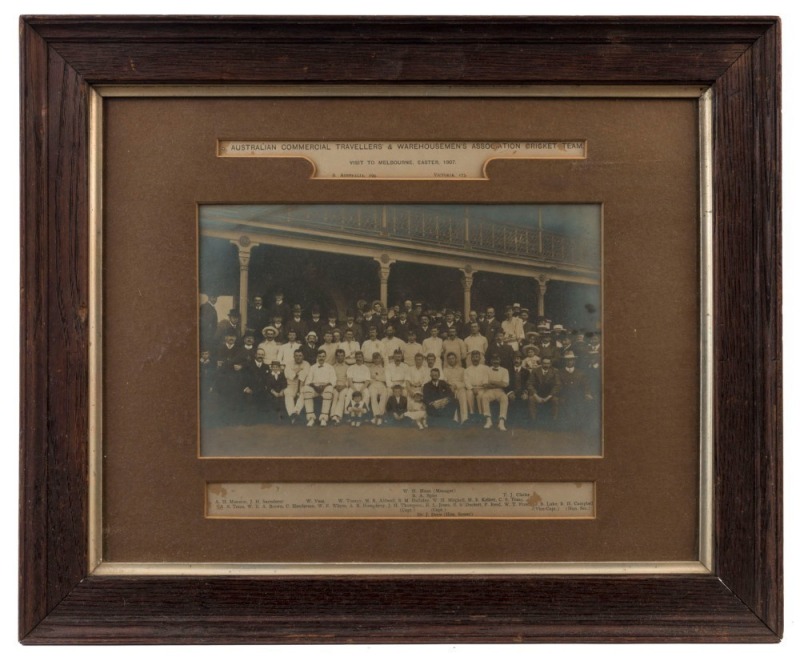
pixel 395 391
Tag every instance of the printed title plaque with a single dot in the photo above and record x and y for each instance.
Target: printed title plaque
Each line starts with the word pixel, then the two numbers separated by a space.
pixel 404 160
pixel 402 500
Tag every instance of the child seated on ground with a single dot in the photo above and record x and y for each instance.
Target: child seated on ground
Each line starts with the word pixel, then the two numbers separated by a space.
pixel 396 405
pixel 357 408
pixel 416 411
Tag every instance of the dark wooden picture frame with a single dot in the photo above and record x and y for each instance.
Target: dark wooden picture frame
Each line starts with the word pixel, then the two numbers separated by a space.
pixel 64 57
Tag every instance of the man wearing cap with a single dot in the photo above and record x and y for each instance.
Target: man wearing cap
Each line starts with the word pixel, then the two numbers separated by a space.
pixel 496 386
pixel 257 315
pixel 279 307
pixel 315 323
pixel 275 384
pixel 574 392
pixel 543 390
pixel 350 324
pixel 333 321
pixel 280 329
pixel 547 346
pixel 319 382
pixel 502 349
pixel 296 323
pixel 270 345
pixel 396 405
pixel 566 346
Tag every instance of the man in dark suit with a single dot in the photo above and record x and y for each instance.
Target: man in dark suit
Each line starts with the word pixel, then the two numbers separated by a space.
pixel 258 316
pixel 543 390
pixel 490 325
pixel 296 322
pixel 402 325
pixel 498 347
pixel 275 383
pixel 574 393
pixel 231 324
pixel 208 321
pixel 350 324
pixel 517 390
pixel 438 397
pixel 253 381
pixel 278 307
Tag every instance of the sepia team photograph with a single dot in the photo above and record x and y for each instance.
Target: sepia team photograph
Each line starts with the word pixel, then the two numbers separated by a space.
pixel 400 330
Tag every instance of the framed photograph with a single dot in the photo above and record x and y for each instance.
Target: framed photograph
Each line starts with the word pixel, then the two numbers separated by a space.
pixel 400 330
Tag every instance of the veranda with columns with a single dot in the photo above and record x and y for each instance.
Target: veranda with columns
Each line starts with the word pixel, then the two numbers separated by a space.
pixel 519 252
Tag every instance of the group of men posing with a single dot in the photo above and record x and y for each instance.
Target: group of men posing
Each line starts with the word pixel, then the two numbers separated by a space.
pixel 400 366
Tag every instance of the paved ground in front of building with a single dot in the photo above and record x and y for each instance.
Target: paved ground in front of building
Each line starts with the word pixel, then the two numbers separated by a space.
pixel 266 439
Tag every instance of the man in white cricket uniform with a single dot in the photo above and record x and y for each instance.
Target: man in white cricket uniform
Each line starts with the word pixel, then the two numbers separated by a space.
pixel 476 342
pixel 358 380
pixel 350 346
pixel 476 380
pixel 497 382
pixel 340 388
pixel 270 345
pixel 286 353
pixel 433 345
pixel 392 343
pixel 453 373
pixel 296 373
pixel 397 372
pixel 372 345
pixel 418 375
pixel 320 382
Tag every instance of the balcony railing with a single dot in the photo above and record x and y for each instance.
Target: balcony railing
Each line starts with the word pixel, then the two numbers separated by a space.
pixel 468 233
